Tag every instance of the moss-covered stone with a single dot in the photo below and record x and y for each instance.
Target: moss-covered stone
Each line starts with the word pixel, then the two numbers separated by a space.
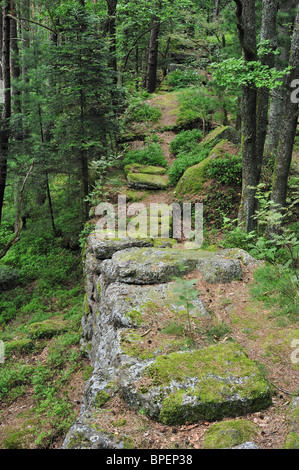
pixel 292 440
pixel 194 177
pixel 144 169
pixel 18 346
pixel 227 434
pixel 211 383
pixel 148 181
pixel 101 398
pixel 47 328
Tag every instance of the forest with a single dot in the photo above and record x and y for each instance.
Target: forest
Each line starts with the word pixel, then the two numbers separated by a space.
pixel 166 103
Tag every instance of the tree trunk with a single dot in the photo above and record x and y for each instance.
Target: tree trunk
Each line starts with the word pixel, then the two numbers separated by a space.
pixel 268 33
pixel 112 5
pixel 15 59
pixel 6 113
pixel 247 36
pixel 216 11
pixel 152 64
pixel 288 133
pixel 287 9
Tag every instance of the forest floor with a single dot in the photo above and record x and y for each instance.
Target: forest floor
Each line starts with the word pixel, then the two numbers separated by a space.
pixel 257 329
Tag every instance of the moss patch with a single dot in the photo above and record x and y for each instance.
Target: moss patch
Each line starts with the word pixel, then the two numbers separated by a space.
pixel 229 434
pixel 211 383
pixel 47 328
pixel 148 181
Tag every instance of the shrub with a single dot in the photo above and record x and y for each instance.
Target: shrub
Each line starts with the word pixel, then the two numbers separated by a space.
pixel 151 154
pixel 184 78
pixel 227 170
pixel 8 277
pixel 140 111
pixel 185 141
pixel 184 161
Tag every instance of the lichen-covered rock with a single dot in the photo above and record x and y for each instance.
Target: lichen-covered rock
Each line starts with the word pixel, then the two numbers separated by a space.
pixel 147 181
pixel 152 266
pixel 104 249
pixel 209 384
pixel 229 434
pixel 220 270
pixel 239 254
pixel 128 303
pixel 292 441
pixel 83 436
pixel 247 445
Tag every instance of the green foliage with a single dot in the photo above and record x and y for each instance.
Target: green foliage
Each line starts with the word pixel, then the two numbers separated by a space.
pixel 186 160
pixel 8 277
pixel 196 104
pixel 234 73
pixel 185 141
pixel 227 170
pixel 184 78
pixel 151 154
pixel 277 288
pixel 140 111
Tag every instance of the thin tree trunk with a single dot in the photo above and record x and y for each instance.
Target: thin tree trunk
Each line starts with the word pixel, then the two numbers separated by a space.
pixel 288 132
pixel 268 33
pixel 15 60
pixel 6 113
pixel 247 36
pixel 216 11
pixel 152 64
pixel 112 5
pixel 287 9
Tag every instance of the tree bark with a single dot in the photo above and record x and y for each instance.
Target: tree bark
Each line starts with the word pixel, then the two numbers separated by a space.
pixel 6 113
pixel 288 132
pixel 152 64
pixel 287 9
pixel 111 27
pixel 247 36
pixel 268 33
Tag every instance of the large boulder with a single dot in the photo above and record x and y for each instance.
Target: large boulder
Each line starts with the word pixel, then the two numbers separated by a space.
pixel 147 181
pixel 208 384
pixel 152 266
pixel 194 177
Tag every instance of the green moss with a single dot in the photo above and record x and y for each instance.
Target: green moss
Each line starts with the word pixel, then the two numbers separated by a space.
pixel 18 346
pixel 193 179
pixel 155 181
pixel 133 345
pixel 47 328
pixel 87 372
pixel 101 398
pixel 230 433
pixel 144 169
pixel 135 317
pixel 221 372
pixel 77 440
pixel 292 440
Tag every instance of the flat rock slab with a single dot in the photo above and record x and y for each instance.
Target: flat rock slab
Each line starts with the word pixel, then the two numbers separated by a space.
pixel 154 266
pixel 104 249
pixel 208 384
pixel 128 303
pixel 147 181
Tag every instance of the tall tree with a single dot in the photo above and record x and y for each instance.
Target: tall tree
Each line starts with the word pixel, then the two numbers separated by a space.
pixel 269 43
pixel 288 131
pixel 6 113
pixel 247 35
